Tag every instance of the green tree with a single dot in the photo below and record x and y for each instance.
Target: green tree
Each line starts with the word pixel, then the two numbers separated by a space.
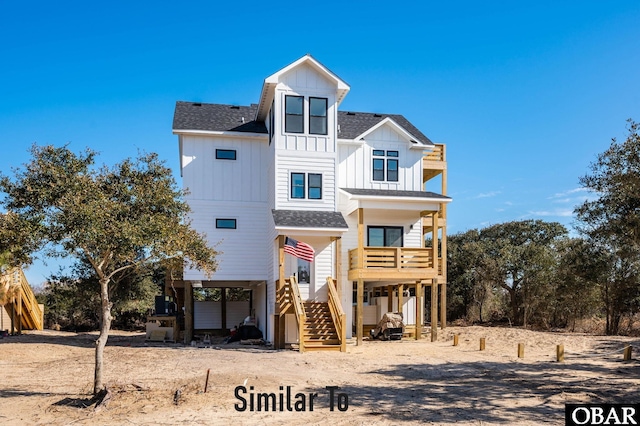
pixel 525 252
pixel 113 218
pixel 473 276
pixel 611 222
pixel 582 271
pixel 72 299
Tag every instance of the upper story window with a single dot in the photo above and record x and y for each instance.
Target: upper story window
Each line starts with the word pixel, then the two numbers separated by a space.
pixel 306 185
pixel 315 186
pixel 294 114
pixel 318 116
pixel 297 185
pixel 226 223
pixel 225 154
pixel 385 165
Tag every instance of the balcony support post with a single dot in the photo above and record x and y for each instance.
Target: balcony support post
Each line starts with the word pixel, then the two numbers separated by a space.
pixel 360 238
pixel 434 309
pixel 419 314
pixel 359 312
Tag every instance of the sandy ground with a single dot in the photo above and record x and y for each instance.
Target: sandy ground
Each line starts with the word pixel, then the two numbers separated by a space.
pixel 46 378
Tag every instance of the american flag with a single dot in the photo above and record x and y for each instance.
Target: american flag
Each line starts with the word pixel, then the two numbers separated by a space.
pixel 299 249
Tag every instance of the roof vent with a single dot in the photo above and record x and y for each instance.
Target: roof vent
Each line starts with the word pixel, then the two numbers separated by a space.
pixel 242 119
pixel 351 113
pixel 338 128
pixel 196 104
pixel 235 107
pixel 377 115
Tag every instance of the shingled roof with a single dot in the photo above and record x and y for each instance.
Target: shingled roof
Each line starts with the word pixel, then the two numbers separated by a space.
pixel 216 117
pixel 229 118
pixel 353 124
pixel 309 219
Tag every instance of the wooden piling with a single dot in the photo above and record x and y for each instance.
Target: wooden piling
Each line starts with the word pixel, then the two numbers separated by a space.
pixel 206 383
pixel 520 350
pixel 455 339
pixel 482 343
pixel 560 353
pixel 627 353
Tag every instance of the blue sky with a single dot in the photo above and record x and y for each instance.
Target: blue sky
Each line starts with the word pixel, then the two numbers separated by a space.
pixel 524 94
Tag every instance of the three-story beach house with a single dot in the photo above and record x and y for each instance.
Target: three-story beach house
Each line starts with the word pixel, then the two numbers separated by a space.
pixel 294 168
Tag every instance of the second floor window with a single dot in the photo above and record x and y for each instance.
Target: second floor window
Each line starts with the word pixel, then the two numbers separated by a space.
pixel 225 154
pixel 306 185
pixel 294 114
pixel 385 165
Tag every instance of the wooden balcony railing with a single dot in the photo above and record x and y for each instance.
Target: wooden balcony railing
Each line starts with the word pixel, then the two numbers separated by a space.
pixel 391 263
pixel 438 154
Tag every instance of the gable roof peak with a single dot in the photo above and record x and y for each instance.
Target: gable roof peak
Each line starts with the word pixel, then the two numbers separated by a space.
pixel 269 85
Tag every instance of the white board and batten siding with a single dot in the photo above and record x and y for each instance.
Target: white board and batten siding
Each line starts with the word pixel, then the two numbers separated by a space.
pixel 208 178
pixel 241 255
pixel 229 189
pixel 307 82
pixel 355 162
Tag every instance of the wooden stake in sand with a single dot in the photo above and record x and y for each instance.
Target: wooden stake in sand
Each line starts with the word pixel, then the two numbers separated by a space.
pixel 482 343
pixel 455 339
pixel 520 350
pixel 560 353
pixel 206 383
pixel 627 353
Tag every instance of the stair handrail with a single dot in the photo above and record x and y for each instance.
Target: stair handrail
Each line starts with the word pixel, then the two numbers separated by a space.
pixel 32 303
pixel 15 279
pixel 301 316
pixel 337 313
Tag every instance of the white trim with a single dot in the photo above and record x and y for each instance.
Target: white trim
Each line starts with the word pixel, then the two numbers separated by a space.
pixel 399 128
pixel 236 135
pixel 270 83
pixel 320 232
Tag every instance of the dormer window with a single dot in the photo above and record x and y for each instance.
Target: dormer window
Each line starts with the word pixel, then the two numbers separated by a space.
pixel 318 116
pixel 294 114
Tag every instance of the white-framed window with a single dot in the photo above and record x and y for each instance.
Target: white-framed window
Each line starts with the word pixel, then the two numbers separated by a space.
pixel 385 165
pixel 306 185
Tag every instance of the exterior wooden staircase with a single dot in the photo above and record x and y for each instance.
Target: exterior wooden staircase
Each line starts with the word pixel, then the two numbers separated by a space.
pixel 20 302
pixel 321 325
pixel 319 331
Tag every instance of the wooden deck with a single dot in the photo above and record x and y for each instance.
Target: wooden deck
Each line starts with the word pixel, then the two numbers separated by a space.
pixel 391 263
